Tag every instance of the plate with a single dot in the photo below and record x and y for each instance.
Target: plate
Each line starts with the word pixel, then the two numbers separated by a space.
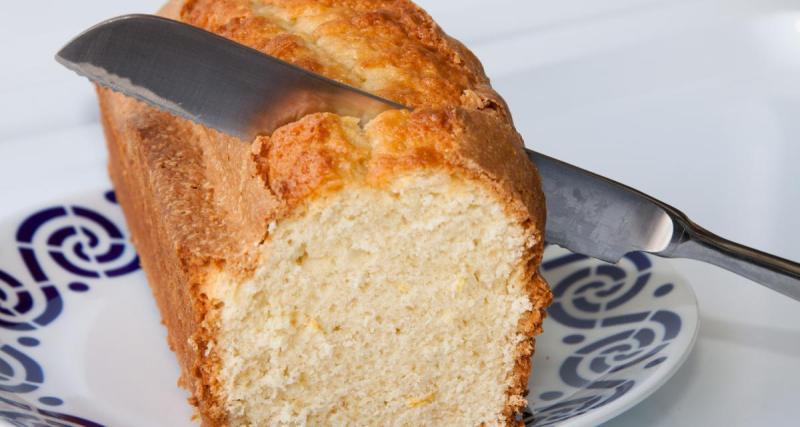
pixel 614 334
pixel 82 344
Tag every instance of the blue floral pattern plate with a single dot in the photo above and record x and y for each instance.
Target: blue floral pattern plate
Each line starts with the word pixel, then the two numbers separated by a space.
pixel 614 334
pixel 81 342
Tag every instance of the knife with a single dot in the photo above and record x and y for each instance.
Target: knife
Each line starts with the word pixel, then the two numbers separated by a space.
pixel 240 91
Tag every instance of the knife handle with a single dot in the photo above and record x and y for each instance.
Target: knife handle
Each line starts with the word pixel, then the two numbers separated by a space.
pixel 771 271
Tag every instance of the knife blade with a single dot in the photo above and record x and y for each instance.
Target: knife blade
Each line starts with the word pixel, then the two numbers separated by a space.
pixel 200 76
pixel 211 80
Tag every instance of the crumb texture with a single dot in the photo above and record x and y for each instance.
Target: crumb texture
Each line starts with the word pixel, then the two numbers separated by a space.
pixel 394 306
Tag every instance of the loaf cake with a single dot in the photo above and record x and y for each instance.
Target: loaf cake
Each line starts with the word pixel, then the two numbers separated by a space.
pixel 337 272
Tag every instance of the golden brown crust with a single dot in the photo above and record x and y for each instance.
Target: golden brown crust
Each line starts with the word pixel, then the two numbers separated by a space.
pixel 400 53
pixel 198 201
pixel 173 235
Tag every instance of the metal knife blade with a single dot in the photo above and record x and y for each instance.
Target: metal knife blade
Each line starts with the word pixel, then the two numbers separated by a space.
pixel 240 91
pixel 206 78
pixel 592 215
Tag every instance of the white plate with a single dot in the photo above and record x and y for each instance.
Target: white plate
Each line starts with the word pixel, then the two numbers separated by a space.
pixel 615 333
pixel 81 341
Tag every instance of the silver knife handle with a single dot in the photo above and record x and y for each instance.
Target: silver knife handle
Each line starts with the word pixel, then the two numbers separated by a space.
pixel 700 244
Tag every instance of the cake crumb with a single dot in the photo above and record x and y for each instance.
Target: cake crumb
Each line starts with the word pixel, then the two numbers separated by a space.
pixel 460 284
pixel 413 403
pixel 314 324
pixel 403 288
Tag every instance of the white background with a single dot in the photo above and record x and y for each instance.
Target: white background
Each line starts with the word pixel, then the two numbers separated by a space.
pixel 696 102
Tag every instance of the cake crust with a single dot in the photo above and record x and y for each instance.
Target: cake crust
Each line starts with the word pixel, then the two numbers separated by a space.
pixel 198 202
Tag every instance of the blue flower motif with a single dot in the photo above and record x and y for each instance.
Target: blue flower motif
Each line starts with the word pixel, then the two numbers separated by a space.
pixel 79 242
pixel 592 297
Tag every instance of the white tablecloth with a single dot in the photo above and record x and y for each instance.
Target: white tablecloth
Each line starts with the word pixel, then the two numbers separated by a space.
pixel 696 102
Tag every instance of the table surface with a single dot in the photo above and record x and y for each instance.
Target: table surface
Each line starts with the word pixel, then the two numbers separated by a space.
pixel 696 102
